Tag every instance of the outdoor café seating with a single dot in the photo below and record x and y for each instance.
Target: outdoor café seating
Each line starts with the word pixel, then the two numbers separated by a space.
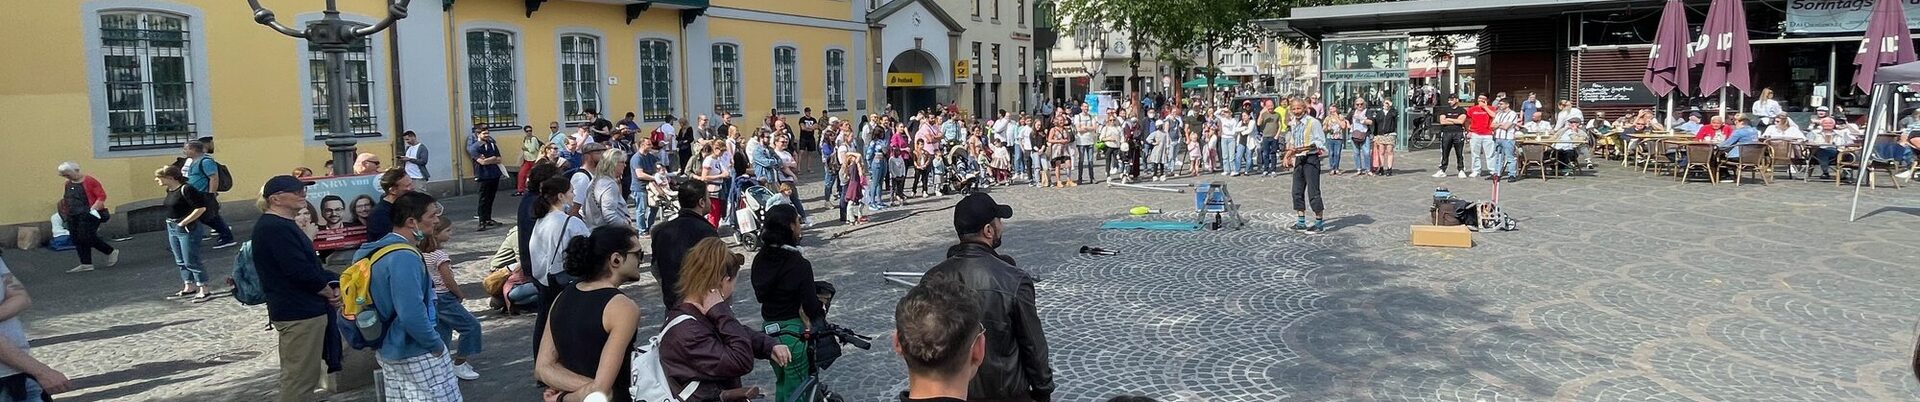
pixel 1753 159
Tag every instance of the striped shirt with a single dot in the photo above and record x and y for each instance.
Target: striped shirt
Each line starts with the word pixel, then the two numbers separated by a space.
pixel 1506 125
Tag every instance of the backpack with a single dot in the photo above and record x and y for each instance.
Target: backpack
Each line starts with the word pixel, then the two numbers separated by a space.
pixel 356 298
pixel 245 279
pixel 648 380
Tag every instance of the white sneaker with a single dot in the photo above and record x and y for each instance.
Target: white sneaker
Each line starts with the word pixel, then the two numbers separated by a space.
pixel 808 222
pixel 1903 175
pixel 1463 174
pixel 81 268
pixel 113 258
pixel 1439 174
pixel 465 372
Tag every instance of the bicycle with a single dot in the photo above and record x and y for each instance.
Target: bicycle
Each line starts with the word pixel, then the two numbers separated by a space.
pixel 1425 132
pixel 813 389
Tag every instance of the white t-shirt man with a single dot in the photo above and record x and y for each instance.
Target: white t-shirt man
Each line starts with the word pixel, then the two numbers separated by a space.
pixel 1085 133
pixel 413 169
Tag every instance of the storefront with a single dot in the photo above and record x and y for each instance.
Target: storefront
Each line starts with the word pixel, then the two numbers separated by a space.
pixel 1802 49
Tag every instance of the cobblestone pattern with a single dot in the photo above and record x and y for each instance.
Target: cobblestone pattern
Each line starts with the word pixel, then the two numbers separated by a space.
pixel 1621 286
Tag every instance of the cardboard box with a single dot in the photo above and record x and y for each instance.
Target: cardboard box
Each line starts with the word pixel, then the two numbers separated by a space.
pixel 1442 236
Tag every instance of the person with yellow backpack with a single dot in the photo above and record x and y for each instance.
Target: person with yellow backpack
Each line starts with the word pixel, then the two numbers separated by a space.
pixel 388 299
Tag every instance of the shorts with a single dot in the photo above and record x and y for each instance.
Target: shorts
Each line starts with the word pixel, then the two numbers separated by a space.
pixel 807 142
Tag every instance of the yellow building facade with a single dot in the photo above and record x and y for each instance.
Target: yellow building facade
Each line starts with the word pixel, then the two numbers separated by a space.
pixel 119 85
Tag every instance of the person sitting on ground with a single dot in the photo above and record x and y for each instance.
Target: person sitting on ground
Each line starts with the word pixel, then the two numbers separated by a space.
pixel 715 349
pixel 937 330
pixel 591 325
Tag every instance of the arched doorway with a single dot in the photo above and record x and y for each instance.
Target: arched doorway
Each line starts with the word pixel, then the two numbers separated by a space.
pixel 914 79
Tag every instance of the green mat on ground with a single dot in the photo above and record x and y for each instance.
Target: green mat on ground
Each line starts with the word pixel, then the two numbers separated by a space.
pixel 1149 225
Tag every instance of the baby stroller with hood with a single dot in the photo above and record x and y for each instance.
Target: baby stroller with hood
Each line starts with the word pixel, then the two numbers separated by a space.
pixel 963 173
pixel 751 209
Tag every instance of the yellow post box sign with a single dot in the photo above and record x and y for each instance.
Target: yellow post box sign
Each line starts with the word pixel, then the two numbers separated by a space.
pixel 906 80
pixel 961 70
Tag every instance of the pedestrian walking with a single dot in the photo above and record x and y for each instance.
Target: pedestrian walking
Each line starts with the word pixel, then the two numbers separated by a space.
pixel 715 350
pixel 414 365
pixel 590 326
pixel 185 207
pixel 203 173
pixel 1016 366
pixel 451 315
pixel 301 295
pixel 531 151
pixel 83 207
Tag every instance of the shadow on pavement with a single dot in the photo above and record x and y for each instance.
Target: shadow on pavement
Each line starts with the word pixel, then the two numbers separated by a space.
pixel 109 332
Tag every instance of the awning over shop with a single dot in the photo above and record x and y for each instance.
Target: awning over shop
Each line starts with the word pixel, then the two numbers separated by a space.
pixel 1425 72
pixel 1201 82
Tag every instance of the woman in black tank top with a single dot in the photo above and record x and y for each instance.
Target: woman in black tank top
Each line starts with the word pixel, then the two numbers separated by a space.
pixel 591 325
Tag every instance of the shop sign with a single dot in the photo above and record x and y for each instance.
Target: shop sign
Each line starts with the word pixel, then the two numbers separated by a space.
pixel 1379 75
pixel 961 71
pixel 1616 93
pixel 1839 16
pixel 905 80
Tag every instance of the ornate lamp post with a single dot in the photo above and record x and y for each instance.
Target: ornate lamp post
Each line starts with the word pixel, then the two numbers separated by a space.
pixel 334 37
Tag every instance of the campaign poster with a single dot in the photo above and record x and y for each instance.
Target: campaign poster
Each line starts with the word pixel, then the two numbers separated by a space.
pixel 337 210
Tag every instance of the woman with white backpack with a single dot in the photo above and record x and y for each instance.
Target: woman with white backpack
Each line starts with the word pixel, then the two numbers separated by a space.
pixel 704 357
pixel 591 325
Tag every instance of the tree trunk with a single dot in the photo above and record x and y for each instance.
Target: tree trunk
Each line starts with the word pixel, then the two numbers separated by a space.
pixel 1211 91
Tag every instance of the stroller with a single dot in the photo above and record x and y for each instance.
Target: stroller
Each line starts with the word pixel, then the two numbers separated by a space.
pixel 963 173
pixel 751 208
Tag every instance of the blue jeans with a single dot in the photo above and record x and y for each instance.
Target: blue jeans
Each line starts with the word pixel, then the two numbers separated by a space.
pixel 523 294
pixel 1363 152
pixel 1508 167
pixel 1269 154
pixel 875 175
pixel 1083 162
pixel 643 213
pixel 455 317
pixel 32 391
pixel 795 199
pixel 1335 146
pixel 185 245
pixel 1019 160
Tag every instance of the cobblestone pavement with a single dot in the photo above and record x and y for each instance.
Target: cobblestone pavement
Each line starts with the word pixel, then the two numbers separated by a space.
pixel 1620 286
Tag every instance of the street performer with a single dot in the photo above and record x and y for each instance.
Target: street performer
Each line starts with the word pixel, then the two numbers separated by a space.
pixel 1306 144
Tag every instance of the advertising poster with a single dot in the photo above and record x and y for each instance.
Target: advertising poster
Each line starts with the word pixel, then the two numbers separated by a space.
pixel 1839 16
pixel 337 210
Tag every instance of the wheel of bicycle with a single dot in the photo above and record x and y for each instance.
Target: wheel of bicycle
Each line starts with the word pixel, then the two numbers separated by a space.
pixel 1425 137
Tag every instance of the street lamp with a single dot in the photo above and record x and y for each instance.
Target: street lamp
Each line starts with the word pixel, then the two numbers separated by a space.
pixel 334 37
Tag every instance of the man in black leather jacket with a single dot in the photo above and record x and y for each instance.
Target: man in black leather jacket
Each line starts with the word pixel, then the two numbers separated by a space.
pixel 1016 367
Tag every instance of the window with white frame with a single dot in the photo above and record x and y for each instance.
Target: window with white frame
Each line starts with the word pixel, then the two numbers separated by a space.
pixel 976 60
pixel 726 77
pixel 656 79
pixel 836 80
pixel 490 79
pixel 786 94
pixel 579 77
pixel 359 79
pixel 149 89
pixel 1246 58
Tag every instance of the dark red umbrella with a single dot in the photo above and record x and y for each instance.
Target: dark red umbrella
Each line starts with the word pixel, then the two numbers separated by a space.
pixel 1667 63
pixel 1724 54
pixel 1887 42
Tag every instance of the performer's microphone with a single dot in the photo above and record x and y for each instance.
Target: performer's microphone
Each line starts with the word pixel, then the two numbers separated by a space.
pixel 1096 251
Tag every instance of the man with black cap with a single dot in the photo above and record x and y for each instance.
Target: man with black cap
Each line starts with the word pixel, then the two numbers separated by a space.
pixel 1016 367
pixel 300 294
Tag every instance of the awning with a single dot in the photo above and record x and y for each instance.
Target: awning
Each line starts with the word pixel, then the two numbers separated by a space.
pixel 1424 72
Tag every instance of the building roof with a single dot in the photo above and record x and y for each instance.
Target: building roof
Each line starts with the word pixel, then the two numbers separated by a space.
pixel 1429 14
pixel 874 17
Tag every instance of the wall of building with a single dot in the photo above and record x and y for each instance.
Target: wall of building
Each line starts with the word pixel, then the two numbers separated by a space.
pixel 811 27
pixel 246 93
pixel 982 27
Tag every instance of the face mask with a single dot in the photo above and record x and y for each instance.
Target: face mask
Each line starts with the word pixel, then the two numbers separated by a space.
pixel 419 236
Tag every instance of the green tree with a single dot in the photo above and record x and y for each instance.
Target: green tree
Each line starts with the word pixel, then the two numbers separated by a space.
pixel 1177 29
